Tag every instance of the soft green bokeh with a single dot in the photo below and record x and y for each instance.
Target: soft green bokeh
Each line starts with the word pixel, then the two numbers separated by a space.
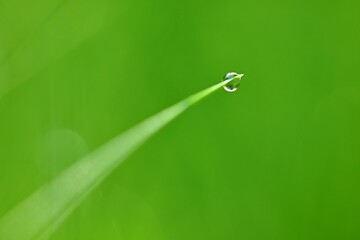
pixel 278 159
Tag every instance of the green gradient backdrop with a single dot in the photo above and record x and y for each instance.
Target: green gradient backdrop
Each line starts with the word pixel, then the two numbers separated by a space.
pixel 278 159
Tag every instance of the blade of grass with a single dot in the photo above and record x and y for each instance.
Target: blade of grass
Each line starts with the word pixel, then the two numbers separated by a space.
pixel 45 210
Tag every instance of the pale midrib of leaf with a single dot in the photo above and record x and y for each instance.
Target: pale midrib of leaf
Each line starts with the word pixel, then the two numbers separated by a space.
pixel 44 211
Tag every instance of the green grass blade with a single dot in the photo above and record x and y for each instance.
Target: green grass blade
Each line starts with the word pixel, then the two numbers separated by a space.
pixel 45 210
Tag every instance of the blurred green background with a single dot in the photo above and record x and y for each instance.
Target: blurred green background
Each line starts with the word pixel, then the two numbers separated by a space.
pixel 278 159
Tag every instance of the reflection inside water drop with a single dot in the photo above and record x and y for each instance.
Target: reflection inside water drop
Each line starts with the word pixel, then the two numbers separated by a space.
pixel 233 85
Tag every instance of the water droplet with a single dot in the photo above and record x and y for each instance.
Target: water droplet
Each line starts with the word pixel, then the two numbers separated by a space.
pixel 233 85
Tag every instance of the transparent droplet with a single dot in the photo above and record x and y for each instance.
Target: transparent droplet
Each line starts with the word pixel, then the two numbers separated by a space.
pixel 233 85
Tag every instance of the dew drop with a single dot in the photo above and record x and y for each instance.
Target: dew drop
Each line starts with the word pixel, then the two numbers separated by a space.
pixel 233 85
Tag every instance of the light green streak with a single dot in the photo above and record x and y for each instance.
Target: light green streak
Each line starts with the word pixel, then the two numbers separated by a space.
pixel 38 216
pixel 33 56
